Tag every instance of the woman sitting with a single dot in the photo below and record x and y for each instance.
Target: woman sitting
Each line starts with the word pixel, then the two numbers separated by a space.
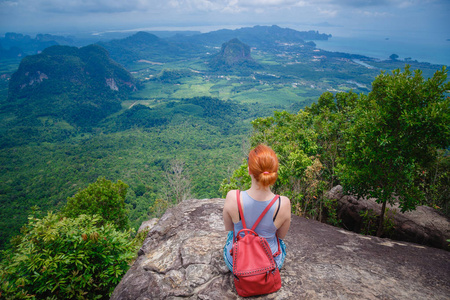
pixel 263 170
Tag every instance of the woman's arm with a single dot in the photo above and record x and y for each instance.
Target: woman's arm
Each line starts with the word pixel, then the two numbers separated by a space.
pixel 283 220
pixel 228 209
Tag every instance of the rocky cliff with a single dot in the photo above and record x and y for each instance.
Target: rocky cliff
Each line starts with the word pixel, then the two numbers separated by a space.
pixel 182 257
pixel 233 54
pixel 424 225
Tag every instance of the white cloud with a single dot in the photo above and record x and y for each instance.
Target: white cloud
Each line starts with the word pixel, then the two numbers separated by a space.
pixel 267 3
pixel 94 6
pixel 196 5
pixel 233 6
pixel 375 14
pixel 328 7
pixel 6 4
pixel 328 12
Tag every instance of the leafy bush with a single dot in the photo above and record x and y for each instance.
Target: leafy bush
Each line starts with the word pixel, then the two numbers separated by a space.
pixel 66 258
pixel 103 198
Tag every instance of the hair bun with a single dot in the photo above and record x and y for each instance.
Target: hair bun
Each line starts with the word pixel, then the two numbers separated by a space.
pixel 263 164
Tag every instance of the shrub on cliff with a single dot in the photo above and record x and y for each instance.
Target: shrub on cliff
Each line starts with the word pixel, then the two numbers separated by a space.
pixel 66 258
pixel 103 198
pixel 79 253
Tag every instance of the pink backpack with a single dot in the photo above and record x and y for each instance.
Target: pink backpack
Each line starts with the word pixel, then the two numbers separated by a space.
pixel 254 268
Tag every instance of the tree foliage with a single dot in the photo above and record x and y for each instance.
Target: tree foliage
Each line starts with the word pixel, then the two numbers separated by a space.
pixel 66 258
pixel 302 176
pixel 394 137
pixel 81 253
pixel 103 198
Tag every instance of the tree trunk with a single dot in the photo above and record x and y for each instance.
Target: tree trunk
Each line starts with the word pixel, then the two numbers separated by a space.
pixel 381 222
pixel 320 211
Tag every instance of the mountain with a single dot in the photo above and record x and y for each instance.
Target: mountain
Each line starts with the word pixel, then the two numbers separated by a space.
pixel 78 85
pixel 234 55
pixel 142 46
pixel 12 52
pixel 149 47
pixel 257 36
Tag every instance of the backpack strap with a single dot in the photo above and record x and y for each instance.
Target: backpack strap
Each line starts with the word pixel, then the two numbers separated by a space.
pixel 265 211
pixel 241 213
pixel 279 247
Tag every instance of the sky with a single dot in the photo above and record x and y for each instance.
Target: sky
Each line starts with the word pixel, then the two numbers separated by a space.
pixel 330 16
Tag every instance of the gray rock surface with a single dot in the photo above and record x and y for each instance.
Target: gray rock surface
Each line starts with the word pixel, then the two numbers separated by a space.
pixel 147 225
pixel 182 258
pixel 424 225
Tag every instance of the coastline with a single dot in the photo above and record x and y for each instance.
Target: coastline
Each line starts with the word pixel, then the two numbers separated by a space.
pixel 436 52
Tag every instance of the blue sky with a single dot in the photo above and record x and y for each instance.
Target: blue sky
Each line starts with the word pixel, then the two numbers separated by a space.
pixel 330 16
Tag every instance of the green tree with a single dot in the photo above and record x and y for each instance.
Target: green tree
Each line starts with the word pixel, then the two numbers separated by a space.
pixel 66 258
pixel 436 183
pixel 103 198
pixel 330 117
pixel 240 179
pixel 395 134
pixel 294 140
pixel 393 56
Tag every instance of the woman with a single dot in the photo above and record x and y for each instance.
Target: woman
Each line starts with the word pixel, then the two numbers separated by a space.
pixel 263 170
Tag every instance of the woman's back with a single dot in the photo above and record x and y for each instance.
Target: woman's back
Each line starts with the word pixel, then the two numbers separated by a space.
pixel 252 210
pixel 263 170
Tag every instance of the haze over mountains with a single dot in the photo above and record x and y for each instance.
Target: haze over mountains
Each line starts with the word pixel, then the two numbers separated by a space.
pixel 17 44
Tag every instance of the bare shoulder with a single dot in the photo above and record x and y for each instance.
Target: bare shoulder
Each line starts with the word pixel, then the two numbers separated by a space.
pixel 230 210
pixel 284 220
pixel 285 205
pixel 230 200
pixel 285 202
pixel 231 195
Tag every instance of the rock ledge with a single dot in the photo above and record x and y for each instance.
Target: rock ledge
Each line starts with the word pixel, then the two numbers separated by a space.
pixel 182 257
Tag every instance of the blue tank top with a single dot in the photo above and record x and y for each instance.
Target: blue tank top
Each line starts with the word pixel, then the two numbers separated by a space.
pixel 252 210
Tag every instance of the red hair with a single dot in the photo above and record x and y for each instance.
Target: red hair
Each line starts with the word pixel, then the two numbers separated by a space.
pixel 263 165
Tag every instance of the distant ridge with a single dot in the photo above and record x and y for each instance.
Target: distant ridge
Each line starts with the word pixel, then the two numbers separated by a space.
pixel 258 36
pixel 142 45
pixel 17 45
pixel 147 46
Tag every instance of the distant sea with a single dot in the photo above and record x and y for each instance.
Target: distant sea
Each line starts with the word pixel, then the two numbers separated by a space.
pixel 431 48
